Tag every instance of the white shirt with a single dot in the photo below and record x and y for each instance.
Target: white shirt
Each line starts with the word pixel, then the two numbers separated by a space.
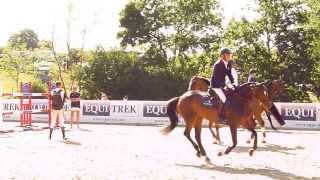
pixel 225 63
pixel 234 75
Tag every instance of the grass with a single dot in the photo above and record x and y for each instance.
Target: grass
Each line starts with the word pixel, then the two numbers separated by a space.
pixel 8 83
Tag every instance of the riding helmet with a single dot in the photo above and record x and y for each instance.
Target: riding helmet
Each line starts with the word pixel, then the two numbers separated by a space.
pixel 225 51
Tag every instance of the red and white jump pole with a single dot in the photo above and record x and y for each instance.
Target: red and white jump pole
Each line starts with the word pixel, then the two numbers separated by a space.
pixel 26 108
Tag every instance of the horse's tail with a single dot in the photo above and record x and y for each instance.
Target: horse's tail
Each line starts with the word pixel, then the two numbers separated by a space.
pixel 171 111
pixel 277 115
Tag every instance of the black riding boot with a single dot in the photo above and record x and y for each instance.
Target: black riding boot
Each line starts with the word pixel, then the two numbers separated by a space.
pixel 63 133
pixel 50 133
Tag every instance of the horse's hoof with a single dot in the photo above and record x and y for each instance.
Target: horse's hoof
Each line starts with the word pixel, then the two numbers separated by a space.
pixel 248 141
pixel 264 141
pixel 251 152
pixel 220 154
pixel 198 154
pixel 208 161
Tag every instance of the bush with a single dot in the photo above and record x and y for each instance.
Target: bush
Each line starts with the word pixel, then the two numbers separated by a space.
pixel 39 87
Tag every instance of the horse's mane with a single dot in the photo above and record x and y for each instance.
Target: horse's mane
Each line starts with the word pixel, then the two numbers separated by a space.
pixel 247 84
pixel 203 79
pixel 243 89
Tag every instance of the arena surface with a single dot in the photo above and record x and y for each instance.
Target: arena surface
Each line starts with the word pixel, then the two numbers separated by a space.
pixel 141 152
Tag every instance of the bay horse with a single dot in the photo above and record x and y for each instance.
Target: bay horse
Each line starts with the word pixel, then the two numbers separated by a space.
pixel 238 109
pixel 274 86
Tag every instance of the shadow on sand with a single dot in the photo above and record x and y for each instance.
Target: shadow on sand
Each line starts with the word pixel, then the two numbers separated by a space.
pixel 268 172
pixel 269 147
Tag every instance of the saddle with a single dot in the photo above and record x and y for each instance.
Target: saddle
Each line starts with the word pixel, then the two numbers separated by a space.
pixel 217 102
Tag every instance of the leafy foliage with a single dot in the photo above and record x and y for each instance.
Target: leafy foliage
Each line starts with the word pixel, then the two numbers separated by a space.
pixel 26 37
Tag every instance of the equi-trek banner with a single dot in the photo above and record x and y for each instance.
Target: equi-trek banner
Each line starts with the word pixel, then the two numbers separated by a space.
pixel 296 115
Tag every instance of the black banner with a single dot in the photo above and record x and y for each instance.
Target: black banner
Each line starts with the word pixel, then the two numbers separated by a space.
pixel 299 112
pixel 154 110
pixel 96 109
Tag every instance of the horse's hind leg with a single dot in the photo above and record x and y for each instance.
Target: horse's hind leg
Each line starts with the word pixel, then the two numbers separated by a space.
pixel 198 139
pixel 255 146
pixel 187 134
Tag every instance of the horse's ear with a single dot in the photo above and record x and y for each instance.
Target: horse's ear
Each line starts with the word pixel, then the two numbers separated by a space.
pixel 268 82
pixel 281 78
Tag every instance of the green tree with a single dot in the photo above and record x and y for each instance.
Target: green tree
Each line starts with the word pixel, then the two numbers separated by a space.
pixel 15 62
pixel 313 25
pixel 276 45
pixel 27 38
pixel 118 73
pixel 44 44
pixel 171 28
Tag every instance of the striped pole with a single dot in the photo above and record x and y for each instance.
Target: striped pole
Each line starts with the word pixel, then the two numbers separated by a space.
pixel 24 94
pixel 26 109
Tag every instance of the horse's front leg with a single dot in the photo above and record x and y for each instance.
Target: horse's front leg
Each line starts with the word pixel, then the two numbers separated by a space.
pixel 233 130
pixel 251 136
pixel 263 128
pixel 255 142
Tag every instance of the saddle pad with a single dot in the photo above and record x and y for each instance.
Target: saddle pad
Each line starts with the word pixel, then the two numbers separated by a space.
pixel 206 100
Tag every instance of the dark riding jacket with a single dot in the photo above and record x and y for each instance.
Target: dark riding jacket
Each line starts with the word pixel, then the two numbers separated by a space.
pixel 251 78
pixel 220 71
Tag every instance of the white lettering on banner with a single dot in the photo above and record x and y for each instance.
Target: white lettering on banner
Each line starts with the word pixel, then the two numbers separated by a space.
pixel 96 109
pixel 296 115
pixel 39 106
pixel 299 113
pixel 123 109
pixel 154 110
pixel 10 107
pixel 157 110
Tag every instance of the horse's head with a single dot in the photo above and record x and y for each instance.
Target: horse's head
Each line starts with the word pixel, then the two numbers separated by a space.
pixel 274 86
pixel 199 83
pixel 251 91
pixel 260 91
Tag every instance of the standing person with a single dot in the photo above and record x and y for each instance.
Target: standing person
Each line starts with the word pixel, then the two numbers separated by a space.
pixel 104 96
pixel 125 98
pixel 75 106
pixel 58 98
pixel 1 106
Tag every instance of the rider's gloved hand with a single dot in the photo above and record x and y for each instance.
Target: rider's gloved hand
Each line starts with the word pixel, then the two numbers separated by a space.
pixel 235 87
pixel 210 91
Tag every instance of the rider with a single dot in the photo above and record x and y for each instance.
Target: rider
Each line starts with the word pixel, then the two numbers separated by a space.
pixel 252 75
pixel 222 74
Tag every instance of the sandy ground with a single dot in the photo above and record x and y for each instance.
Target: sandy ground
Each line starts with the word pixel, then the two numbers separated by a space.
pixel 141 152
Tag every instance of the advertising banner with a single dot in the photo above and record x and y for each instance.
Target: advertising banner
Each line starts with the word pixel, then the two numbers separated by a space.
pixel 296 115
